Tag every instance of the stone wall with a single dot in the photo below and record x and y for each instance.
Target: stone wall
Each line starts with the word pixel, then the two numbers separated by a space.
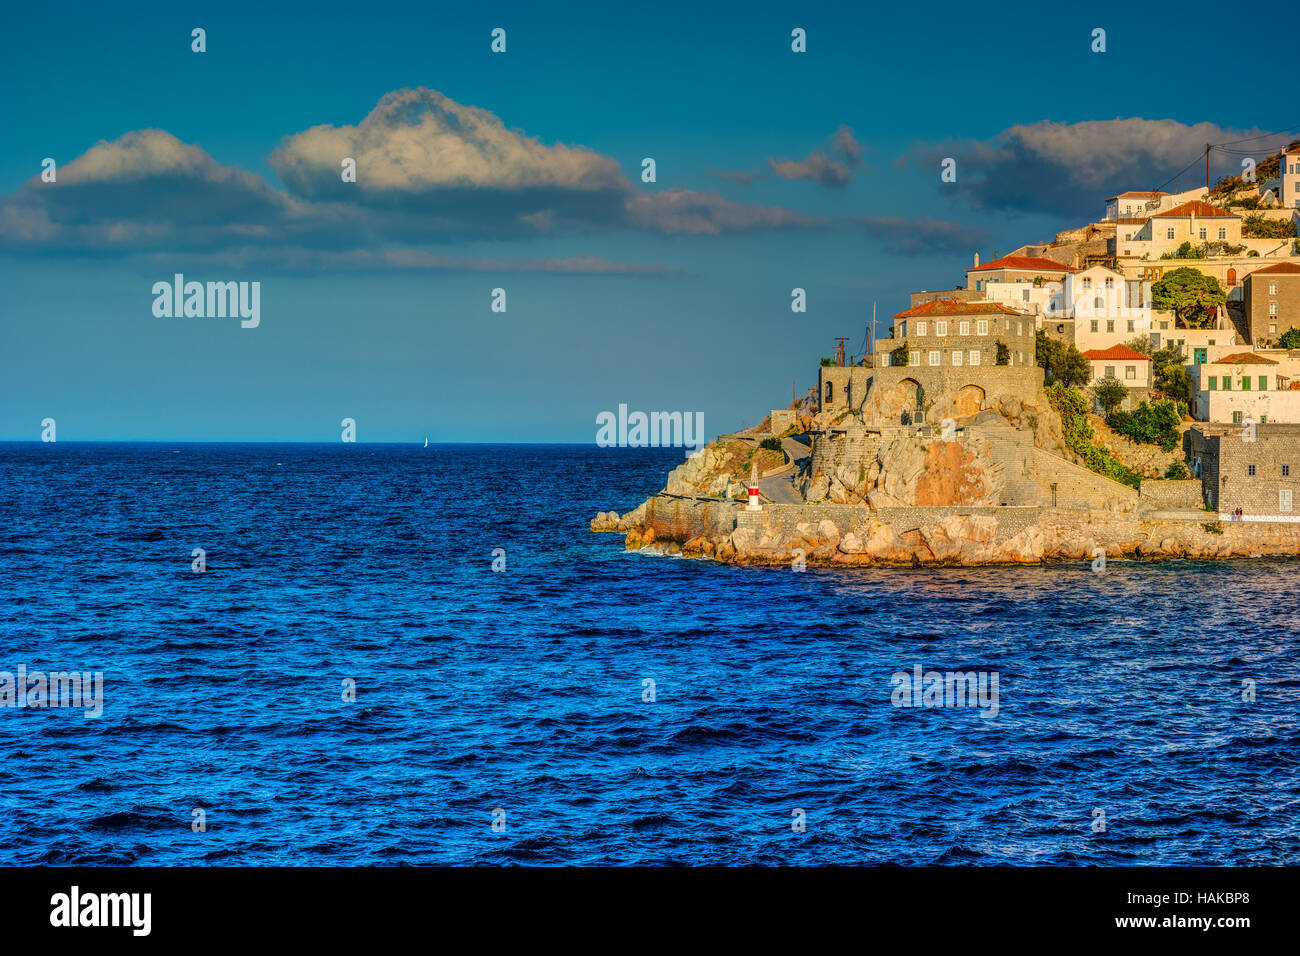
pixel 1172 493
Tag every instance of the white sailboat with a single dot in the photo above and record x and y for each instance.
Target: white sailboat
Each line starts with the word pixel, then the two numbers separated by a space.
pixel 426 441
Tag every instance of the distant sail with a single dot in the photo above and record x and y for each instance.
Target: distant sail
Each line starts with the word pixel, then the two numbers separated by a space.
pixel 426 442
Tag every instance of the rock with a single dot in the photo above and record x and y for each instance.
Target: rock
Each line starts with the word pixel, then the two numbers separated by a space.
pixel 827 531
pixel 605 521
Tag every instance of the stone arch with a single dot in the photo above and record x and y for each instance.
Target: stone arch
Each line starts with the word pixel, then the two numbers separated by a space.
pixel 968 401
pixel 902 402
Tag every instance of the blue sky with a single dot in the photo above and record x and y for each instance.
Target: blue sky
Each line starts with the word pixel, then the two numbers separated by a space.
pixel 522 171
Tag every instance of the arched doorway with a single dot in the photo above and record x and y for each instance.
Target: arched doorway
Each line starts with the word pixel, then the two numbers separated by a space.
pixel 968 401
pixel 904 402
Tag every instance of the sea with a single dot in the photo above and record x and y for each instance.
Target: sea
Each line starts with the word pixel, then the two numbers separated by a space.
pixel 404 655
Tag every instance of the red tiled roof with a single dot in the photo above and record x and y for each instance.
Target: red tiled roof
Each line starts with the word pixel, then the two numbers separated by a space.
pixel 1195 208
pixel 1243 358
pixel 1023 263
pixel 1116 352
pixel 953 307
pixel 1282 268
pixel 1138 195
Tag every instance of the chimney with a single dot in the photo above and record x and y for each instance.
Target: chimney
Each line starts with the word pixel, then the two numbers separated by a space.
pixel 977 260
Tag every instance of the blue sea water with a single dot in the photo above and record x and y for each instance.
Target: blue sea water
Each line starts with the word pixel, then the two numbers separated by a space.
pixel 521 690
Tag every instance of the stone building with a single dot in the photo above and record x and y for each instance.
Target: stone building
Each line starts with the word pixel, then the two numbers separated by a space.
pixel 947 362
pixel 1256 469
pixel 1271 297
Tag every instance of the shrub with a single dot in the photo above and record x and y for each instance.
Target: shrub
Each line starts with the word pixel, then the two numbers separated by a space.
pixel 1177 471
pixel 1213 527
pixel 899 356
pixel 774 444
pixel 1262 227
pixel 1155 423
pixel 1290 339
pixel 1004 354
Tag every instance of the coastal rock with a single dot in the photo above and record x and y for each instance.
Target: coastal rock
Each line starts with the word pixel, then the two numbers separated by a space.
pixel 605 521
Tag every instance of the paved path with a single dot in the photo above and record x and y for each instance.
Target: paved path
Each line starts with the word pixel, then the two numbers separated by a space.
pixel 779 488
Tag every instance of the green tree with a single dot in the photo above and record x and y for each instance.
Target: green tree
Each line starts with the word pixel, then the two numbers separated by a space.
pixel 1290 339
pixel 1063 364
pixel 1110 393
pixel 1004 354
pixel 1193 296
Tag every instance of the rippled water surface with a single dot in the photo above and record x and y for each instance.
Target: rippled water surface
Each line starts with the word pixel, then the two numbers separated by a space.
pixel 521 690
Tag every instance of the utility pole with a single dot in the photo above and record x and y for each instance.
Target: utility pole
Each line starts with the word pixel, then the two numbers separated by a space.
pixel 1207 166
pixel 839 349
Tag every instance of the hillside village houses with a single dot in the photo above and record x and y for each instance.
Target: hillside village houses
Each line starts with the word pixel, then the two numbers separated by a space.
pixel 1092 288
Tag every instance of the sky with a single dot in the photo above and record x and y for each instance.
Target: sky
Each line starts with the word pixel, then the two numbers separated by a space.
pixel 522 171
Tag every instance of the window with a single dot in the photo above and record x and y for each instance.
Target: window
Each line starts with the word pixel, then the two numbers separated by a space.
pixel 1263 383
pixel 941 328
pixel 1131 327
pixel 1198 356
pixel 1130 371
pixel 1286 471
pixel 982 327
pixel 1024 296
pixel 1110 372
pixel 1087 282
pixel 1236 416
pixel 1245 383
pixel 902 330
pixel 1110 325
pixel 915 358
pixel 1110 283
pixel 830 392
pixel 1272 288
pixel 1227 383
pixel 974 357
pixel 1284 499
pixel 1272 308
pixel 1098 303
pixel 963 328
pixel 1223 233
pixel 1272 328
pixel 1201 234
pixel 934 356
pixel 956 357
pixel 1170 233
pixel 1092 326
pixel 1250 471
pixel 921 328
pixel 1214 383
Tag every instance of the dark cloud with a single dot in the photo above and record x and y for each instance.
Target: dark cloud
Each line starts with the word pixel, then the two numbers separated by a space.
pixel 1070 168
pixel 921 237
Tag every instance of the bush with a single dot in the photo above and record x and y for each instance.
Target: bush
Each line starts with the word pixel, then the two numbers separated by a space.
pixel 899 356
pixel 1177 471
pixel 774 444
pixel 1004 354
pixel 1262 227
pixel 1290 339
pixel 826 363
pixel 1149 424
